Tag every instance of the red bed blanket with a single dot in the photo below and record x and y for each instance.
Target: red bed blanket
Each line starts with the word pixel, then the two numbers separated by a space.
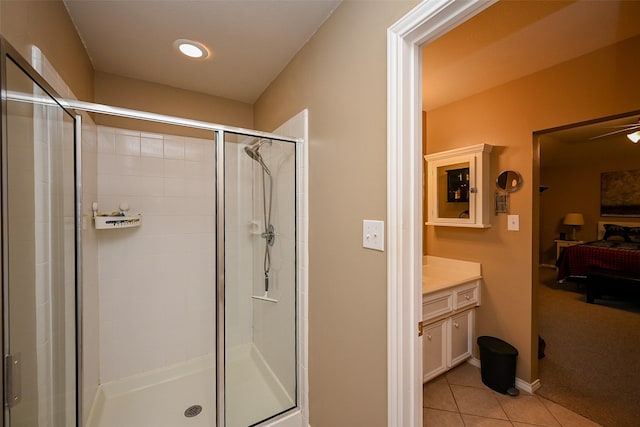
pixel 576 260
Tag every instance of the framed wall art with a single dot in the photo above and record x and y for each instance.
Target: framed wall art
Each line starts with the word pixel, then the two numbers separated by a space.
pixel 620 193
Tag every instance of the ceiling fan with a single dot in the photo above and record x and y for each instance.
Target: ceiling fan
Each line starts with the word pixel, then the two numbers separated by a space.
pixel 632 130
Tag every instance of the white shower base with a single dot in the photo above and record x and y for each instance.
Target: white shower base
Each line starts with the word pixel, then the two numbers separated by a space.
pixel 160 398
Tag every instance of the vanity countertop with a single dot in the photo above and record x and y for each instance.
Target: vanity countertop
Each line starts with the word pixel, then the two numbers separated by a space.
pixel 442 273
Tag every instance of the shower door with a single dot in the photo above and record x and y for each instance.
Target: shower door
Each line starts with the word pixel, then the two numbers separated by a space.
pixel 38 262
pixel 259 365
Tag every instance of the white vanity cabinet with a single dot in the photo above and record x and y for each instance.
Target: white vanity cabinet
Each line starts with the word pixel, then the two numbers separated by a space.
pixel 446 343
pixel 451 292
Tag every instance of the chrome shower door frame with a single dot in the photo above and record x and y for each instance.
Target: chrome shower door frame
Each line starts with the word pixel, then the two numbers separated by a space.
pixel 9 53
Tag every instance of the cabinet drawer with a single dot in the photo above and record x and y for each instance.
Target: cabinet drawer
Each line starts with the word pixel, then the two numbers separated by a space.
pixel 436 305
pixel 466 296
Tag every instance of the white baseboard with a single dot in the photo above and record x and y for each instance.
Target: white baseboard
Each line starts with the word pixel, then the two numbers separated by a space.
pixel 520 383
pixel 473 361
pixel 527 387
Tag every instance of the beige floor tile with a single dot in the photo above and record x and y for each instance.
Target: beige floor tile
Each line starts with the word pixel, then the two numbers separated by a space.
pixel 527 409
pixel 474 421
pixel 437 418
pixel 458 398
pixel 567 417
pixel 476 401
pixel 436 394
pixel 466 374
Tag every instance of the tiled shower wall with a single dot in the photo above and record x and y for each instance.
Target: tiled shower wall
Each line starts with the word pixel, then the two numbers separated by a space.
pixel 156 281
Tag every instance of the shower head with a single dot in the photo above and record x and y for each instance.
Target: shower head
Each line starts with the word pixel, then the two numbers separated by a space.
pixel 253 151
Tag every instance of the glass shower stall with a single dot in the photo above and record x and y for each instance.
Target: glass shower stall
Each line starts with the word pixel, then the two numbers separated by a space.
pixel 149 278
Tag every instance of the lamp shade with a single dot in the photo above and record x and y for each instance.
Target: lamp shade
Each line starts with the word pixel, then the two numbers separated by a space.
pixel 574 219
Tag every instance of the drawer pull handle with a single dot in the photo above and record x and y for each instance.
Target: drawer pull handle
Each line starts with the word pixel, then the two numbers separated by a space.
pixel 467 297
pixel 429 337
pixel 456 324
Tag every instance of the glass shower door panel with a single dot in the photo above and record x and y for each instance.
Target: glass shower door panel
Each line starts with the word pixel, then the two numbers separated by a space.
pixel 39 260
pixel 260 279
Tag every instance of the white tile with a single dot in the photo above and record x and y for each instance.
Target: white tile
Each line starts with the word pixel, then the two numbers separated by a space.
pixel 152 205
pixel 127 132
pixel 151 166
pixel 151 135
pixel 152 147
pixel 177 351
pixel 43 324
pixel 195 170
pixel 174 168
pixel 195 150
pixel 42 250
pixel 195 188
pixel 89 139
pixel 106 185
pixel 150 186
pixel 107 164
pixel 42 283
pixel 106 141
pixel 173 149
pixel 174 187
pixel 128 165
pixel 111 354
pixel 128 145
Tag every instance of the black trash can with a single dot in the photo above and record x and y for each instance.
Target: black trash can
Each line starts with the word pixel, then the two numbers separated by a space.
pixel 498 364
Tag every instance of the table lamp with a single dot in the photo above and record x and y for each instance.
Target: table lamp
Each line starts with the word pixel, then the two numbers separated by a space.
pixel 574 220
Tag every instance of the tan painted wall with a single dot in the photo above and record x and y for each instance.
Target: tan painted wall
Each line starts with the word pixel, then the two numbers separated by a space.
pixel 340 75
pixel 595 85
pixel 125 92
pixel 47 25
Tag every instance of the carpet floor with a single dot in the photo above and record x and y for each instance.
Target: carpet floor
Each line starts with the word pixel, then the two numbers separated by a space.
pixel 592 355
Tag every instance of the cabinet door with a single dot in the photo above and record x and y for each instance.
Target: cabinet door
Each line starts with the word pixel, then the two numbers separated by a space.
pixel 458 187
pixel 461 337
pixel 434 350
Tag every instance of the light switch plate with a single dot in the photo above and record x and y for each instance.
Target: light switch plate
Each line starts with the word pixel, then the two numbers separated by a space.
pixel 513 222
pixel 373 234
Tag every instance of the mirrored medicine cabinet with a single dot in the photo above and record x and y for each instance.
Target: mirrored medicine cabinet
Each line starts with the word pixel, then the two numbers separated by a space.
pixel 456 187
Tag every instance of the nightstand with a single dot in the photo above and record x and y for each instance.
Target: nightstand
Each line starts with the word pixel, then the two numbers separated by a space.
pixel 561 244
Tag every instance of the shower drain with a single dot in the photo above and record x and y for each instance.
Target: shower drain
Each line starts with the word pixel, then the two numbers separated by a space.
pixel 192 411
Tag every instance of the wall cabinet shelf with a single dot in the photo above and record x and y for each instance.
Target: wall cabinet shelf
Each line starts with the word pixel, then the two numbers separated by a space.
pixel 457 187
pixel 111 222
pixel 116 219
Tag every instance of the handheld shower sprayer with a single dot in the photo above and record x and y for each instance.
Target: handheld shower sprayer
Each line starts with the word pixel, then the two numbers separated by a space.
pixel 253 151
pixel 269 234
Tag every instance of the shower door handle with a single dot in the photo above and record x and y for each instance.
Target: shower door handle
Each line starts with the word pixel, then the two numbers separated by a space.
pixel 13 379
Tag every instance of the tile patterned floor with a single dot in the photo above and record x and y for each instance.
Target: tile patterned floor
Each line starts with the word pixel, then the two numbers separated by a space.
pixel 460 399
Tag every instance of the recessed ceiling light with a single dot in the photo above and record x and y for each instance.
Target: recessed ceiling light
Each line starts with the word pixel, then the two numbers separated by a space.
pixel 191 48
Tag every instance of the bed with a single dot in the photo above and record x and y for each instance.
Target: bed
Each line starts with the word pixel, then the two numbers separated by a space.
pixel 613 260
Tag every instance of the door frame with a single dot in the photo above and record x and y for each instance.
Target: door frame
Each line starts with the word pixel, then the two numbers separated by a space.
pixel 423 24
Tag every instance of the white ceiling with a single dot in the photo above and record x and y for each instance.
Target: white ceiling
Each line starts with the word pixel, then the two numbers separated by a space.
pixel 250 41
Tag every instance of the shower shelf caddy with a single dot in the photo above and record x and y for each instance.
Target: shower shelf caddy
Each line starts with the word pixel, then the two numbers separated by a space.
pixel 121 220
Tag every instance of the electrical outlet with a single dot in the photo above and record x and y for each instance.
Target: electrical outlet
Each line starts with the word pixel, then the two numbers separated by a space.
pixel 373 234
pixel 513 222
